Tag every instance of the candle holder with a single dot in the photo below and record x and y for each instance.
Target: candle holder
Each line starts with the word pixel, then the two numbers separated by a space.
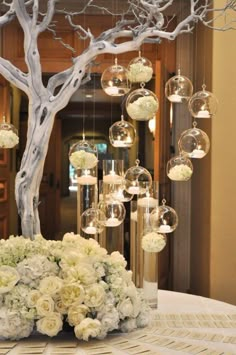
pixel 203 104
pixel 122 134
pixel 146 203
pixel 164 219
pixel 136 179
pixel 87 193
pixel 178 88
pixel 194 142
pixel 114 80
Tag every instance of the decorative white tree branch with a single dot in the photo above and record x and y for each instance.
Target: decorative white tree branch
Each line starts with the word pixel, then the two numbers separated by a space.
pixel 143 20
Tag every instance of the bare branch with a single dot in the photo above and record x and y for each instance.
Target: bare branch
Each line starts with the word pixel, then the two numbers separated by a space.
pixel 14 75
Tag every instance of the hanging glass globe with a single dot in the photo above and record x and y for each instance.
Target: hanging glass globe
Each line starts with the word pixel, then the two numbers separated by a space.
pixel 153 242
pixel 203 104
pixel 178 88
pixel 115 80
pixel 179 168
pixel 164 218
pixel 142 104
pixel 92 221
pixel 122 134
pixel 8 135
pixel 119 193
pixel 114 212
pixel 140 70
pixel 137 179
pixel 83 155
pixel 194 143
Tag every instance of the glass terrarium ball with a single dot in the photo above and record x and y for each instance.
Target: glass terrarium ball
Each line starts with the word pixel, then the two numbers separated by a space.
pixel 119 193
pixel 122 134
pixel 92 221
pixel 178 89
pixel 142 104
pixel 114 212
pixel 179 168
pixel 164 219
pixel 140 70
pixel 203 104
pixel 83 155
pixel 8 135
pixel 137 178
pixel 115 80
pixel 194 143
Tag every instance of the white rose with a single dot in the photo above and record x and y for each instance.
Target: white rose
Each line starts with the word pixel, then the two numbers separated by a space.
pixel 50 285
pixel 8 278
pixel 87 328
pixel 95 296
pixel 77 313
pixel 125 308
pixel 32 298
pixel 50 325
pixel 82 273
pixel 72 293
pixel 59 305
pixel 44 305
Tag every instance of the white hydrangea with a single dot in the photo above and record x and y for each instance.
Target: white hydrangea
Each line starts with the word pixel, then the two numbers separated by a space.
pixel 35 268
pixel 8 139
pixel 153 242
pixel 181 172
pixel 143 108
pixel 139 73
pixel 13 325
pixel 8 278
pixel 83 160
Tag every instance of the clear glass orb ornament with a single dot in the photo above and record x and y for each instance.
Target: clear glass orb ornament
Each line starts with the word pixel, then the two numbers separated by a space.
pixel 114 212
pixel 119 193
pixel 140 70
pixel 203 104
pixel 142 104
pixel 164 218
pixel 178 88
pixel 137 178
pixel 92 221
pixel 122 134
pixel 179 168
pixel 194 143
pixel 8 135
pixel 83 155
pixel 115 80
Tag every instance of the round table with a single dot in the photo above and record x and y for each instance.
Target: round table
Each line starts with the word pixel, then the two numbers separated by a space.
pixel 182 324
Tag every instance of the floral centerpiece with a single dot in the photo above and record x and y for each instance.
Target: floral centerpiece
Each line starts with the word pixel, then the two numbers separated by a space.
pixel 8 138
pixel 143 108
pixel 83 160
pixel 45 284
pixel 181 172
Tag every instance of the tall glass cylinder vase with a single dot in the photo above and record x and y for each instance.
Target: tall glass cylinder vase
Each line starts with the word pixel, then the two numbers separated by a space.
pixel 111 238
pixel 145 205
pixel 133 240
pixel 150 278
pixel 87 195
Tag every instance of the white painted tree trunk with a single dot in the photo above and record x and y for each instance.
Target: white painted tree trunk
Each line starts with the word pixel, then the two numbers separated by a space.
pixel 28 179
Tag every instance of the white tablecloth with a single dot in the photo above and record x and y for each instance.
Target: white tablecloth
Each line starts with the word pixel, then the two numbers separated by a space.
pixel 183 324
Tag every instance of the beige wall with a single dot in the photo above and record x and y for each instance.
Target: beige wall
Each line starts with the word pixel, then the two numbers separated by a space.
pixel 223 167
